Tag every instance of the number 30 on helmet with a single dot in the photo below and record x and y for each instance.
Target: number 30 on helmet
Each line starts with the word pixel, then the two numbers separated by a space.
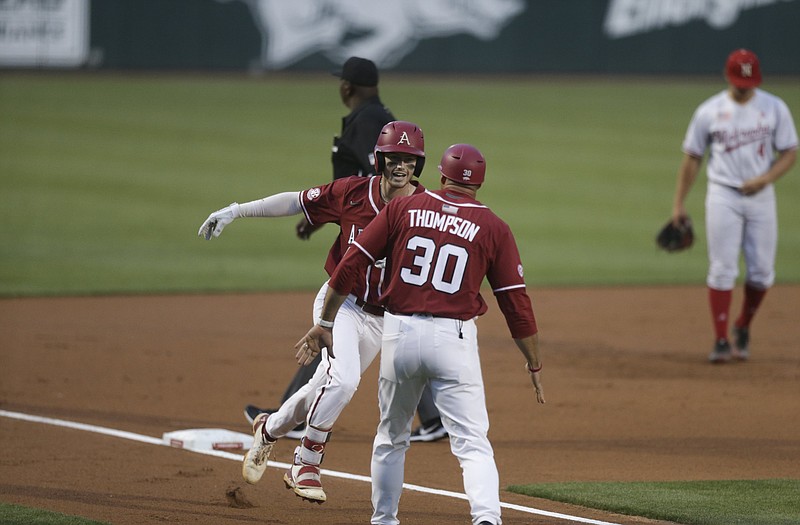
pixel 464 164
pixel 400 137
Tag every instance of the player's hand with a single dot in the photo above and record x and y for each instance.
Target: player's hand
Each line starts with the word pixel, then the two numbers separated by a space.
pixel 218 220
pixel 304 229
pixel 312 344
pixel 752 186
pixel 536 379
pixel 678 217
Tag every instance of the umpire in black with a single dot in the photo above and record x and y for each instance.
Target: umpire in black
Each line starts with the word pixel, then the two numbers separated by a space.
pixel 352 152
pixel 353 148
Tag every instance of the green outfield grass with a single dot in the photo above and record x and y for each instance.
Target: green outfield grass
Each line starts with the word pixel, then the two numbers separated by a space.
pixel 106 179
pixel 18 515
pixel 736 502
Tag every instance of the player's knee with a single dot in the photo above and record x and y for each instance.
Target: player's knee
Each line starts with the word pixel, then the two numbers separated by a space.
pixel 471 447
pixel 722 278
pixel 761 280
pixel 721 283
pixel 348 386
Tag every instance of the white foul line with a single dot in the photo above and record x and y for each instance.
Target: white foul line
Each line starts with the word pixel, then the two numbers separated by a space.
pixel 236 457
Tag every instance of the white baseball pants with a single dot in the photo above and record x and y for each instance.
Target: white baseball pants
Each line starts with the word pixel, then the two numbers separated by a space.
pixel 736 223
pixel 417 349
pixel 356 342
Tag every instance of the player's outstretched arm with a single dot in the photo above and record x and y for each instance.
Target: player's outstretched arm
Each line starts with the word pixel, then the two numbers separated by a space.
pixel 278 205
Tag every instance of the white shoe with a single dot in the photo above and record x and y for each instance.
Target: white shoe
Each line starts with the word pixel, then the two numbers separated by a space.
pixel 304 480
pixel 255 462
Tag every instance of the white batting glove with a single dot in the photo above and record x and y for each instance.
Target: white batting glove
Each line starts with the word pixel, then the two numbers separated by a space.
pixel 218 220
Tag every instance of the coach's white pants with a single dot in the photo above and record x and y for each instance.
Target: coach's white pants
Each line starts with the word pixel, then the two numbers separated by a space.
pixel 418 349
pixel 356 342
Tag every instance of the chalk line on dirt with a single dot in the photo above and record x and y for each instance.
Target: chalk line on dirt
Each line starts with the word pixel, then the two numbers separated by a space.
pixel 236 457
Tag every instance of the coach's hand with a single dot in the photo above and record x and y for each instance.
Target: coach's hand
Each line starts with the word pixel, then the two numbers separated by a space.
pixel 536 379
pixel 218 220
pixel 312 344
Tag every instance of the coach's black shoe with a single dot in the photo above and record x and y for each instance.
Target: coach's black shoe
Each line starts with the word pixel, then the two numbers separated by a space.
pixel 741 338
pixel 721 352
pixel 251 412
pixel 430 431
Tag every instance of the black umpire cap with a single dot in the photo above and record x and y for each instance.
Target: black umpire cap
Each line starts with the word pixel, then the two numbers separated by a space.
pixel 359 71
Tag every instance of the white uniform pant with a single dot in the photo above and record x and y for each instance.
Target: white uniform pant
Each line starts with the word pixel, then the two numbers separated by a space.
pixel 356 342
pixel 419 349
pixel 736 223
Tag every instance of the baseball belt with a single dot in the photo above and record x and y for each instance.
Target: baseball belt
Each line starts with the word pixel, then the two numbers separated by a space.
pixel 370 308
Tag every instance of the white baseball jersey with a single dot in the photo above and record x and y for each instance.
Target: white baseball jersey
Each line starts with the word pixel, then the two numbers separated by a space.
pixel 742 138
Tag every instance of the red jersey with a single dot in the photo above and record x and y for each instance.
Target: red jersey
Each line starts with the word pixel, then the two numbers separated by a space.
pixel 352 203
pixel 439 246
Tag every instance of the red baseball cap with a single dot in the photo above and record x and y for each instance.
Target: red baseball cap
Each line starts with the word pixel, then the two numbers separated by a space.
pixel 742 69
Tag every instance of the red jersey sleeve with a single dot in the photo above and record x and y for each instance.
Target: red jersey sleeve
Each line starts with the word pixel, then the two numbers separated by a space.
pixel 518 312
pixel 505 275
pixel 363 252
pixel 349 269
pixel 323 204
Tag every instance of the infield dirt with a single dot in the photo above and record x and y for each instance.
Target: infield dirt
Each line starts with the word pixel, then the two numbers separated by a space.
pixel 630 397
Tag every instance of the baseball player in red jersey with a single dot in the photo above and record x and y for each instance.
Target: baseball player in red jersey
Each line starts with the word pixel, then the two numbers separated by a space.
pixel 439 246
pixel 353 154
pixel 752 142
pixel 351 202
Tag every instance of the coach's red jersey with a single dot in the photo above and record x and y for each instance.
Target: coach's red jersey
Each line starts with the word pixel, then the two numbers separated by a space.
pixel 439 246
pixel 352 203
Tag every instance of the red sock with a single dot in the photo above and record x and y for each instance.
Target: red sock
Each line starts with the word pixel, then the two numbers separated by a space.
pixel 752 300
pixel 720 302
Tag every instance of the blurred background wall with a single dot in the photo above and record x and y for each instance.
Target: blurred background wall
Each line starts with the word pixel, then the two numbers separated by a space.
pixel 450 36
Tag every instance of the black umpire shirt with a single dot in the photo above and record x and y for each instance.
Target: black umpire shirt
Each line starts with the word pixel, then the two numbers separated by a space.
pixel 353 149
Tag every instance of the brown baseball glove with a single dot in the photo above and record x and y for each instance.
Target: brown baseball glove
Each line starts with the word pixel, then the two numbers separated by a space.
pixel 676 238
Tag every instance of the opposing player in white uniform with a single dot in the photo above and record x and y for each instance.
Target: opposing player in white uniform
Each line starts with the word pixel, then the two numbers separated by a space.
pixel 752 142
pixel 439 247
pixel 351 202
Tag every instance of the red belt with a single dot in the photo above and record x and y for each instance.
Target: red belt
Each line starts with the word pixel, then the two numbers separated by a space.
pixel 370 308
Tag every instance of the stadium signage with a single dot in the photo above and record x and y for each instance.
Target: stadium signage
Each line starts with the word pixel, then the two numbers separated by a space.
pixel 44 32
pixel 626 18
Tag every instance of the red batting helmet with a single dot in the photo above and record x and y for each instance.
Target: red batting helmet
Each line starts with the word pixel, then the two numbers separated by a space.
pixel 742 69
pixel 400 137
pixel 464 164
